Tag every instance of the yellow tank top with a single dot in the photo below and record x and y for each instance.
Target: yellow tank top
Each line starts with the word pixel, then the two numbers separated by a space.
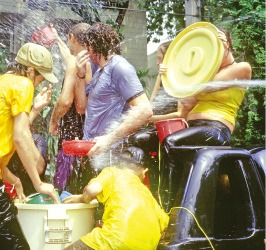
pixel 224 103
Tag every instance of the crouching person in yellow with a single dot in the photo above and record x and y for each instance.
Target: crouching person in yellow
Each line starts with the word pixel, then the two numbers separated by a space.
pixel 132 219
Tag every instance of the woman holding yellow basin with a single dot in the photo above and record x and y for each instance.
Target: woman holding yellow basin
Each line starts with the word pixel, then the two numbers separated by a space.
pixel 211 114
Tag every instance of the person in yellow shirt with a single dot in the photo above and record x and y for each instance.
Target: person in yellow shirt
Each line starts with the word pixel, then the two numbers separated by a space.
pixel 132 219
pixel 211 115
pixel 33 64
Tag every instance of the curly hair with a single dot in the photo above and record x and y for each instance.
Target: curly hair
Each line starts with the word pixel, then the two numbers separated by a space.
pixel 103 39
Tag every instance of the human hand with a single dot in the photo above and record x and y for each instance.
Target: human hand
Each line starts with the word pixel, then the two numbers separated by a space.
pixel 81 60
pixel 162 69
pixel 46 188
pixel 53 128
pixel 222 37
pixel 73 199
pixel 102 144
pixel 53 30
pixel 19 190
pixel 43 98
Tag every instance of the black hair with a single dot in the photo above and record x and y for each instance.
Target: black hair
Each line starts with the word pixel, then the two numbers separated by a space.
pixel 228 37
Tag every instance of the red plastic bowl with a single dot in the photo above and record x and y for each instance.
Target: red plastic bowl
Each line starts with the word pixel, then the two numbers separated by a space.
pixel 44 36
pixel 77 147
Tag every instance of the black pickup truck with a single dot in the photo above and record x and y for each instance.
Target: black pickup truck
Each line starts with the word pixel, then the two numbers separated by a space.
pixel 220 199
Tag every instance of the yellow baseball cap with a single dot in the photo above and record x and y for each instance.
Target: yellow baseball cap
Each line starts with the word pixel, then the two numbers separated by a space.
pixel 38 57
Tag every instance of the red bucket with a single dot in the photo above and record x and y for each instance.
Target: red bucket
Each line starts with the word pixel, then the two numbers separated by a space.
pixel 167 127
pixel 10 190
pixel 44 36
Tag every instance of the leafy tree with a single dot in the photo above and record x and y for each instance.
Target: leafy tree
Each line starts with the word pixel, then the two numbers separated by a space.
pixel 245 20
pixel 164 16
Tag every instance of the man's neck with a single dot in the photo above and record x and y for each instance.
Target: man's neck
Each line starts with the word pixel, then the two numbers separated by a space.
pixel 103 61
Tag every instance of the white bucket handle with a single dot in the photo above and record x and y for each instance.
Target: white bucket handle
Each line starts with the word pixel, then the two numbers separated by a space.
pixel 185 122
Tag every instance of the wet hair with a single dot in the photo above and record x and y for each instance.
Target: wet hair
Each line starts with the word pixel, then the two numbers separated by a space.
pixel 103 39
pixel 132 158
pixel 19 69
pixel 163 47
pixel 228 37
pixel 16 67
pixel 79 31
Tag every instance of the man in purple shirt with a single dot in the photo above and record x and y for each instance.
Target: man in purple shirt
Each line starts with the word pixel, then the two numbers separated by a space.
pixel 117 105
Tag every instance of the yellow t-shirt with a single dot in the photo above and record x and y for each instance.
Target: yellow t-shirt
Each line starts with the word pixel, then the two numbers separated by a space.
pixel 16 95
pixel 224 103
pixel 132 219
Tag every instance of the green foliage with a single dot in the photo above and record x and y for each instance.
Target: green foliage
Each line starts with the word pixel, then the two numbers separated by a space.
pixel 3 60
pixel 246 21
pixel 143 75
pixel 41 126
pixel 250 126
pixel 164 16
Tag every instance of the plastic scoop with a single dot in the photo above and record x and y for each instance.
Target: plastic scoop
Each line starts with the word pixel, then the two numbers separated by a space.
pixel 44 36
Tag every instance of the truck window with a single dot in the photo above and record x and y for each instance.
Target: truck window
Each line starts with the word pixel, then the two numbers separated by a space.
pixel 232 212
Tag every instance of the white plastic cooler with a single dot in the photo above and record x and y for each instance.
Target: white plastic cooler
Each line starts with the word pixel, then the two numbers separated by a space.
pixel 55 226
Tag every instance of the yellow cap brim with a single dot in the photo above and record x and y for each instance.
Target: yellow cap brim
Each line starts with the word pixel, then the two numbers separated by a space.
pixel 49 76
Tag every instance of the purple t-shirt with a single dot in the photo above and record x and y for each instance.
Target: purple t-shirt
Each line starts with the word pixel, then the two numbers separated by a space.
pixel 110 90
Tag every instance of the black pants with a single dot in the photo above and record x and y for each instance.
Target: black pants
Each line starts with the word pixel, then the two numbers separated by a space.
pixel 146 139
pixel 11 235
pixel 199 133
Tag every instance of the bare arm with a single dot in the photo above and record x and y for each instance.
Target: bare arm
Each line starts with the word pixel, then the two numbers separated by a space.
pixel 89 193
pixel 80 90
pixel 238 71
pixel 29 155
pixel 64 50
pixel 138 115
pixel 65 99
pixel 183 108
pixel 85 75
pixel 156 87
pixel 156 118
pixel 26 149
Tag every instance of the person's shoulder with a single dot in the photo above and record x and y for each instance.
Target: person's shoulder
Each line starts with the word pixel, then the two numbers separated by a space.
pixel 245 70
pixel 121 63
pixel 109 170
pixel 244 65
pixel 17 80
